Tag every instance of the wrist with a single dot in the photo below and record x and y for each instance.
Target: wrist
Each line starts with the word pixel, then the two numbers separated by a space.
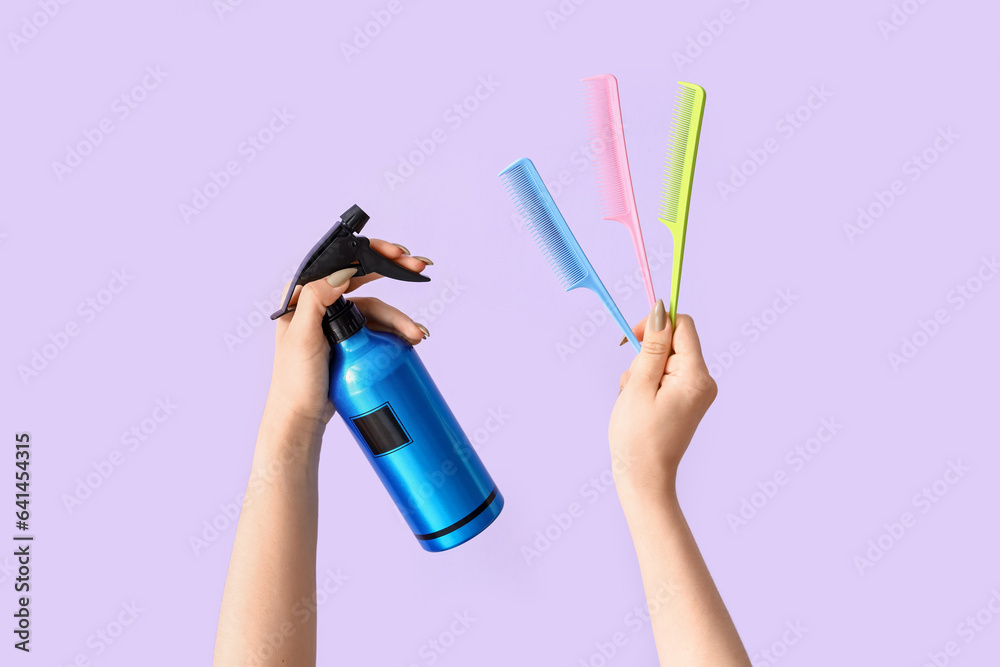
pixel 640 494
pixel 285 420
pixel 289 436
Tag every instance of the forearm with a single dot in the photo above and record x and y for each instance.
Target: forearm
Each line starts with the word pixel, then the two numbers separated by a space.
pixel 690 622
pixel 273 565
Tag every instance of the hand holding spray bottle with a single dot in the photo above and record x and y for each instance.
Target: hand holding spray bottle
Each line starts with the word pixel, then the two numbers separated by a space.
pixel 392 407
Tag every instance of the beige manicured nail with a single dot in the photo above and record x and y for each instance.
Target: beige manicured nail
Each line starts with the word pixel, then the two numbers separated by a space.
pixel 427 334
pixel 424 260
pixel 338 278
pixel 623 341
pixel 403 248
pixel 658 317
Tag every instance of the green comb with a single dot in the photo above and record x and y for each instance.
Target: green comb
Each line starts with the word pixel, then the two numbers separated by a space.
pixel 682 151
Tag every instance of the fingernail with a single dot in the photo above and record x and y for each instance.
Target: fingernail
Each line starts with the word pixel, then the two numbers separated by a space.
pixel 424 260
pixel 623 341
pixel 338 278
pixel 427 334
pixel 403 248
pixel 658 318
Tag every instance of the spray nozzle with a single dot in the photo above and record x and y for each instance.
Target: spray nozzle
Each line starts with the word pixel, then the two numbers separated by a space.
pixel 341 248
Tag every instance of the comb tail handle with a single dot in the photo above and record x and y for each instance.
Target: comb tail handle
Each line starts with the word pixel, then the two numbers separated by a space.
pixel 594 284
pixel 640 254
pixel 677 232
pixel 631 218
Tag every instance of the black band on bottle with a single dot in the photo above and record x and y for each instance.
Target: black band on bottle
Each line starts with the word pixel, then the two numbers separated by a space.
pixel 461 522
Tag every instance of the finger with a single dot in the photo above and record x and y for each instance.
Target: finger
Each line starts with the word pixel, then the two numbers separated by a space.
pixel 411 263
pixel 375 326
pixel 390 250
pixel 383 317
pixel 676 364
pixel 295 295
pixel 640 329
pixel 686 342
pixel 394 252
pixel 315 297
pixel 651 362
pixel 282 322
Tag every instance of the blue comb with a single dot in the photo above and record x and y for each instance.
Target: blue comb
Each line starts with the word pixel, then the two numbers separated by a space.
pixel 547 225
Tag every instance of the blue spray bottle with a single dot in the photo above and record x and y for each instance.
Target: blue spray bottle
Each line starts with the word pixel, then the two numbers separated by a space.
pixel 391 405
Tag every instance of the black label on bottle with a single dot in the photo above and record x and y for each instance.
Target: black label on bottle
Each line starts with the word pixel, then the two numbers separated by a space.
pixel 381 430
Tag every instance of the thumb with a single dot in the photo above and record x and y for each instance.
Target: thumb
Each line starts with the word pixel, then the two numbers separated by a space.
pixel 651 362
pixel 316 297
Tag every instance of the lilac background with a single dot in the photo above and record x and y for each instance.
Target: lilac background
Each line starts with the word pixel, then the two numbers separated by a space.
pixel 496 345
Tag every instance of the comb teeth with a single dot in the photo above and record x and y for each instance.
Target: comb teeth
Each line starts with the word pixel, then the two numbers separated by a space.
pixel 541 216
pixel 685 128
pixel 604 127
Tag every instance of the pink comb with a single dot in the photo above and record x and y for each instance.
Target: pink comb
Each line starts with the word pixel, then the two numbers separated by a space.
pixel 614 182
